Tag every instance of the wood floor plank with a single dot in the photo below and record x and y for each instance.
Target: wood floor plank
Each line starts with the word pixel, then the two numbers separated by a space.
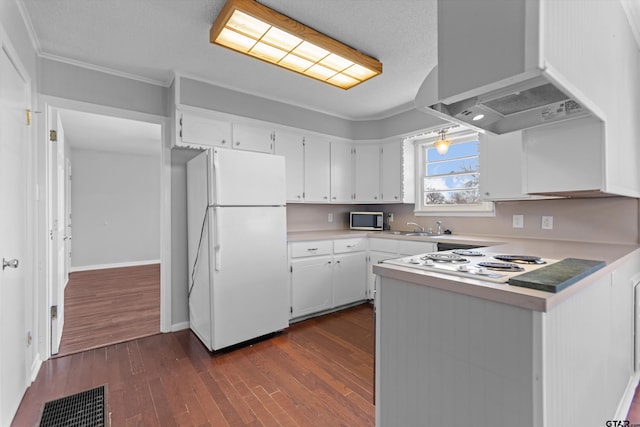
pixel 110 306
pixel 312 374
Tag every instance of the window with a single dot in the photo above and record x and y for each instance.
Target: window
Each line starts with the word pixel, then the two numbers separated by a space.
pixel 450 183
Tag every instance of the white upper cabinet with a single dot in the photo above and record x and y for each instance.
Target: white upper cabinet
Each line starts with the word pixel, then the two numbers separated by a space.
pixel 391 168
pixel 317 169
pixel 253 138
pixel 341 172
pixel 565 158
pixel 378 173
pixel 194 130
pixel 367 173
pixel 501 167
pixel 291 146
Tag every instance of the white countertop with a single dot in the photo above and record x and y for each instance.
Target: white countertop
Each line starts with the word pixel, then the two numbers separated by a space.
pixel 613 254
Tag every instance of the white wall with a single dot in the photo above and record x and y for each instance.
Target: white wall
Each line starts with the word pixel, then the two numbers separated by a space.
pixel 115 203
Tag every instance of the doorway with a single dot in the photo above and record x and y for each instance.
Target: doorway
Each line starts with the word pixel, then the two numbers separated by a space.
pixel 107 219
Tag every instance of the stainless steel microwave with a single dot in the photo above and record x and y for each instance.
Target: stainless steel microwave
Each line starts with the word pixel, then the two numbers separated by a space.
pixel 366 220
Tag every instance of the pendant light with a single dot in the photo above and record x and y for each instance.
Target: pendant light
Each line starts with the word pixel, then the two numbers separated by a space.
pixel 442 145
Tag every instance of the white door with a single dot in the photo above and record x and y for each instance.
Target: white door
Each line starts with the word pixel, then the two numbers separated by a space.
pixel 291 146
pixel 253 138
pixel 58 274
pixel 391 168
pixel 13 240
pixel 317 170
pixel 367 173
pixel 341 172
pixel 68 226
pixel 250 286
pixel 243 178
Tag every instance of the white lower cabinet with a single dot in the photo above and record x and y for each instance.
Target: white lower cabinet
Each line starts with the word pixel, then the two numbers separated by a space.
pixel 349 278
pixel 326 274
pixel 382 249
pixel 310 285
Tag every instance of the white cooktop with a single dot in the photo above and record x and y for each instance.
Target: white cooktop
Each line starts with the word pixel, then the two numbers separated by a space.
pixel 464 263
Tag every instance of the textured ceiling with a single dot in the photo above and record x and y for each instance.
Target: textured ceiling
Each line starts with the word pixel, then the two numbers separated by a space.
pixel 152 39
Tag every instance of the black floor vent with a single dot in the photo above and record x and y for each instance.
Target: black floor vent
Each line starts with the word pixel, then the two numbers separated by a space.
pixel 85 409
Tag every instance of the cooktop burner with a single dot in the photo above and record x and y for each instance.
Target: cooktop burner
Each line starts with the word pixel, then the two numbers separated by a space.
pixel 500 266
pixel 520 259
pixel 447 258
pixel 467 252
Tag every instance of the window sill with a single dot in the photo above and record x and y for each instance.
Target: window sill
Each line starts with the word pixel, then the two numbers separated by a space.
pixel 486 209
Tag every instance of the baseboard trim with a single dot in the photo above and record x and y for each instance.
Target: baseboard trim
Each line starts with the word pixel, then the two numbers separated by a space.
pixel 627 398
pixel 180 326
pixel 114 265
pixel 35 367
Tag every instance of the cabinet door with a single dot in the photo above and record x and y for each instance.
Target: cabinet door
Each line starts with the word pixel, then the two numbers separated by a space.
pixel 501 167
pixel 253 138
pixel 291 146
pixel 566 156
pixel 367 173
pixel 317 170
pixel 375 258
pixel 310 285
pixel 341 172
pixel 391 171
pixel 349 278
pixel 200 131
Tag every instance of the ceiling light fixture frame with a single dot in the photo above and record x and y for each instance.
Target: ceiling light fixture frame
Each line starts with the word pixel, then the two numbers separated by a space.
pixel 340 74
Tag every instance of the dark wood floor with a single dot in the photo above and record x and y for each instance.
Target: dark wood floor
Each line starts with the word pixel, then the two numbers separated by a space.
pixel 316 373
pixel 104 307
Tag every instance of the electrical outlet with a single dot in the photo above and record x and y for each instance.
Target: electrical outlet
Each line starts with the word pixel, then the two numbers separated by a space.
pixel 547 223
pixel 518 221
pixel 330 217
pixel 390 217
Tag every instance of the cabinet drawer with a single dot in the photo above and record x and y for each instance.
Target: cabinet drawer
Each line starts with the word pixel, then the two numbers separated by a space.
pixel 407 247
pixel 311 248
pixel 349 245
pixel 384 245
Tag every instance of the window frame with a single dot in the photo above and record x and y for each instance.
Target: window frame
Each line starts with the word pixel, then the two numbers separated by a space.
pixel 457 135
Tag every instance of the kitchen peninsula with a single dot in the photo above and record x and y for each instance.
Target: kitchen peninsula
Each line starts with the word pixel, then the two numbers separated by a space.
pixel 461 351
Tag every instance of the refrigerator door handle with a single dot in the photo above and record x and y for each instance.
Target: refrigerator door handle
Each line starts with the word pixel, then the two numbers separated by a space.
pixel 216 239
pixel 216 176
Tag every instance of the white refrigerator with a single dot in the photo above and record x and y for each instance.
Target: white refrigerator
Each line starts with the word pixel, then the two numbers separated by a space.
pixel 237 246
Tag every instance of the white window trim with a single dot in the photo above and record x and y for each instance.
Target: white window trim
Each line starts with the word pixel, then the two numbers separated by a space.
pixel 457 135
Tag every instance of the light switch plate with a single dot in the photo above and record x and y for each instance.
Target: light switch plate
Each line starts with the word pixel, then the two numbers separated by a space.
pixel 390 217
pixel 547 223
pixel 518 221
pixel 330 217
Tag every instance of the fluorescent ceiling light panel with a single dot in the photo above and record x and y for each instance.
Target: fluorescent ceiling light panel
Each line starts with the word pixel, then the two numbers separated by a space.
pixel 256 30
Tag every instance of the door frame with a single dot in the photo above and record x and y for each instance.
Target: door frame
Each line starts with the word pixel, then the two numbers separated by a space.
pixel 47 102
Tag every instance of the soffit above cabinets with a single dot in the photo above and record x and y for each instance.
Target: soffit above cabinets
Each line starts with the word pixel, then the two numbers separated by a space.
pixel 151 39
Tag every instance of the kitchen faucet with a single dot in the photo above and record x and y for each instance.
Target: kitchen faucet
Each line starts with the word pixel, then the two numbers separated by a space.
pixel 418 227
pixel 439 226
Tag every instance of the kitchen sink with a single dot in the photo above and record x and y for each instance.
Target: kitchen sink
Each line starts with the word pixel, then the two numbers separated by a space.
pixel 423 234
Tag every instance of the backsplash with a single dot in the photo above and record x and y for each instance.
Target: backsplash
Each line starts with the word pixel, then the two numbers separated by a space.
pixel 610 220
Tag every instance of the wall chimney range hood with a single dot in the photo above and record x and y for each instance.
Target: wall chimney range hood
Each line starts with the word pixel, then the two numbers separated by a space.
pixel 492 74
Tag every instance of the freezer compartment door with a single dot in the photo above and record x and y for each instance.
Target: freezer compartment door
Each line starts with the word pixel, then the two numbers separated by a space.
pixel 243 178
pixel 250 277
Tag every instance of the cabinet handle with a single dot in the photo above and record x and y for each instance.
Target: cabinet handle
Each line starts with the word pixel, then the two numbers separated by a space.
pixel 334 197
pixel 312 249
pixel 395 197
pixel 338 262
pixel 351 246
pixel 224 141
pixel 298 196
pixel 237 143
pixel 375 197
pixel 328 262
pixel 487 193
pixel 325 197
